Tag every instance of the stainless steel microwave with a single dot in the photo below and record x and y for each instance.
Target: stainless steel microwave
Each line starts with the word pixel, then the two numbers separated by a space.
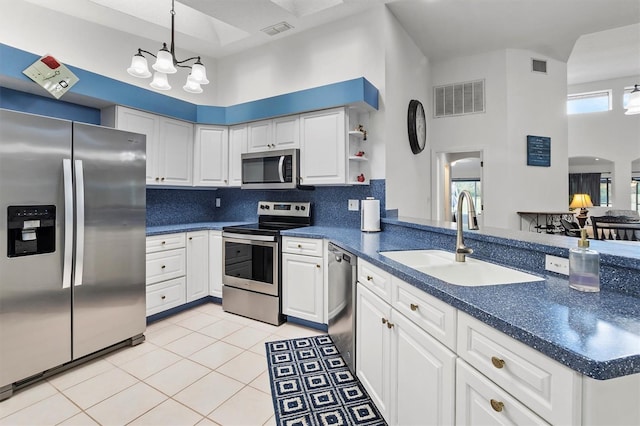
pixel 271 169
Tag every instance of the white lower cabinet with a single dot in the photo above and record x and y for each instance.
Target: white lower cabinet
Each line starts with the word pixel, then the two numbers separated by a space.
pixel 215 263
pixel 166 295
pixel 197 265
pixel 177 269
pixel 409 374
pixel 166 272
pixel 303 279
pixel 479 401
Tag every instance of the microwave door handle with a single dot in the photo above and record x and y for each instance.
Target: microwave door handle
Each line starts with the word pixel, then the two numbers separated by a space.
pixel 281 168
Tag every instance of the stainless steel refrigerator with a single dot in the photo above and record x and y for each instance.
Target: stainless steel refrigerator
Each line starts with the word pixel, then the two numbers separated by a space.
pixel 72 243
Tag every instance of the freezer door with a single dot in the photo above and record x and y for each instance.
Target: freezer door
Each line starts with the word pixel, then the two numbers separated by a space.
pixel 109 269
pixel 35 309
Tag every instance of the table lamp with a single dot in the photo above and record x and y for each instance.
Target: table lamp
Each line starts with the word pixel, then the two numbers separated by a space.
pixel 581 201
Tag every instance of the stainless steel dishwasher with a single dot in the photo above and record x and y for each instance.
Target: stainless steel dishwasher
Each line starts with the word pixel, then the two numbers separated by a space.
pixel 342 296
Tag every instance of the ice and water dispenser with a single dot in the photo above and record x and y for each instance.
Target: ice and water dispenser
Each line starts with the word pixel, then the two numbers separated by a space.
pixel 31 230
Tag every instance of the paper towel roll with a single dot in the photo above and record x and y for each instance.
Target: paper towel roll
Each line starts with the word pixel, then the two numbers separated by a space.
pixel 370 215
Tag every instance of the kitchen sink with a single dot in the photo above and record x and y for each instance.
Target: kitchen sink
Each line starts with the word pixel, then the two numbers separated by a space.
pixel 471 273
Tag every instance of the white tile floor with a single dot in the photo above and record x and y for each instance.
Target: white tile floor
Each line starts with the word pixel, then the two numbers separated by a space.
pixel 200 367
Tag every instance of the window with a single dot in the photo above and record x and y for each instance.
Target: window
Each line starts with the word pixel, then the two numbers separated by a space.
pixel 474 188
pixel 581 103
pixel 605 192
pixel 635 194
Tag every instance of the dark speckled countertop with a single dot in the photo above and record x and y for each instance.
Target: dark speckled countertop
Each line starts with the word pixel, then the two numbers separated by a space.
pixel 596 334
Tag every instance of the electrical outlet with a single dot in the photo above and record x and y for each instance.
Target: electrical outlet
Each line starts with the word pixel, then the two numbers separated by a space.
pixel 354 205
pixel 556 264
pixel 217 202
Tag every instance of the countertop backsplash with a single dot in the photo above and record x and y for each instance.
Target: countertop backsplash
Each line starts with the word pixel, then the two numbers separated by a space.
pixel 329 204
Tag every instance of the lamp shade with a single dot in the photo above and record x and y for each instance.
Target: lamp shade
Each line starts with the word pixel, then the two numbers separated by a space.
pixel 192 86
pixel 581 201
pixel 160 81
pixel 139 66
pixel 633 104
pixel 164 62
pixel 199 74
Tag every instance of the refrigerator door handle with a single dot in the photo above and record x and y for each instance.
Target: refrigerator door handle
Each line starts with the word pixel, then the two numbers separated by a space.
pixel 68 223
pixel 79 265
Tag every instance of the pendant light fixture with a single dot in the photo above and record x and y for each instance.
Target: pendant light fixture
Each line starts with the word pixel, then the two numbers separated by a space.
pixel 166 63
pixel 633 104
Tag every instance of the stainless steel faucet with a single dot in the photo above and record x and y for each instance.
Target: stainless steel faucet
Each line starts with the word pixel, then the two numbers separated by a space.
pixel 461 250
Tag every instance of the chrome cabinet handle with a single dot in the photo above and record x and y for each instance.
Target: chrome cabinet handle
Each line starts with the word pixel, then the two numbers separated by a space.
pixel 413 307
pixel 369 278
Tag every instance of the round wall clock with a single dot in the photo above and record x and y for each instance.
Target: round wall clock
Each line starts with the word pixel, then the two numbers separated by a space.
pixel 417 126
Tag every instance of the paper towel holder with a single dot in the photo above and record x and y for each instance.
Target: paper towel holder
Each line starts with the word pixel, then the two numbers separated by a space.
pixel 370 215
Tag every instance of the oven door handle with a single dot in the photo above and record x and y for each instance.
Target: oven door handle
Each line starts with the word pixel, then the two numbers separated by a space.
pixel 248 237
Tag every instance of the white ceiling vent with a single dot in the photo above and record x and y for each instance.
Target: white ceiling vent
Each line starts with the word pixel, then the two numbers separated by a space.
pixel 459 99
pixel 277 28
pixel 538 65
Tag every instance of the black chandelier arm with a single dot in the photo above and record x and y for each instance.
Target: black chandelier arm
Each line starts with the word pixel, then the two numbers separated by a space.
pixel 141 51
pixel 177 62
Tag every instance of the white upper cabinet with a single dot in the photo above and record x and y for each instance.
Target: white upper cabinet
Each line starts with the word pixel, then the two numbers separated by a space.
pixel 169 143
pixel 323 147
pixel 259 136
pixel 176 152
pixel 279 133
pixel 237 146
pixel 211 157
pixel 286 132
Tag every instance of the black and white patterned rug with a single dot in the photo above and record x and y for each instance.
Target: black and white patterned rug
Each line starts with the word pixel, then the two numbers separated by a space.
pixel 311 385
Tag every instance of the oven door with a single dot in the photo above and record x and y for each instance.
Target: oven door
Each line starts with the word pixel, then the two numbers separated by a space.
pixel 250 262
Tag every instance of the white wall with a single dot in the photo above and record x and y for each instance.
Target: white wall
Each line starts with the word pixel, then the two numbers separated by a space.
pixel 92 47
pixel 517 103
pixel 536 105
pixel 407 77
pixel 608 134
pixel 485 132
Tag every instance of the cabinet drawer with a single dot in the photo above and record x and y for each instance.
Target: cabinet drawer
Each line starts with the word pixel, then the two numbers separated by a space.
pixel 157 243
pixel 432 315
pixel 549 388
pixel 480 402
pixel 165 265
pixel 375 279
pixel 166 295
pixel 306 246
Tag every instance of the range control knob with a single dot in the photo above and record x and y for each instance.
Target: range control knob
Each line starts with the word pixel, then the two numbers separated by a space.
pixel 266 207
pixel 297 207
pixel 262 206
pixel 303 208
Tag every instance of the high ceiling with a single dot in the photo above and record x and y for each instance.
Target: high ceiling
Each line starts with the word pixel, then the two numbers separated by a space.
pixel 441 28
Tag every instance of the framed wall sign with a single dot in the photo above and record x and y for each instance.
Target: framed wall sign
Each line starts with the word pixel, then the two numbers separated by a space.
pixel 538 151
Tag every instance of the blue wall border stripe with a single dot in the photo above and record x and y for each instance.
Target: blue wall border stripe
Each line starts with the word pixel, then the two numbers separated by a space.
pixel 108 90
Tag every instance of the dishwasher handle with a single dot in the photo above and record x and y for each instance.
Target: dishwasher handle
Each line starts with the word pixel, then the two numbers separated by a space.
pixel 341 255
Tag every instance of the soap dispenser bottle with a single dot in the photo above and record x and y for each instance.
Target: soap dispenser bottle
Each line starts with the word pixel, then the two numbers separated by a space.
pixel 584 266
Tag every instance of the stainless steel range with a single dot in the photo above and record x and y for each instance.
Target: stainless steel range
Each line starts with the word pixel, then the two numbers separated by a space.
pixel 251 275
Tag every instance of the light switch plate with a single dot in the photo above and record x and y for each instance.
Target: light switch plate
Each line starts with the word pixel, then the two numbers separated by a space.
pixel 354 205
pixel 556 264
